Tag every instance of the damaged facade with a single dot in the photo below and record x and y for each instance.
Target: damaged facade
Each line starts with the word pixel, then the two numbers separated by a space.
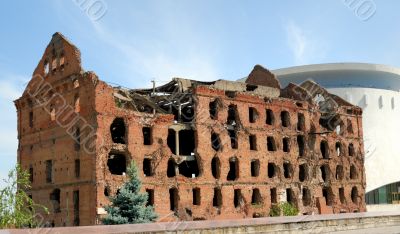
pixel 205 150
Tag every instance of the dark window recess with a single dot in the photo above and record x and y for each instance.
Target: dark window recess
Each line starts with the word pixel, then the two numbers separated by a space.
pixel 325 173
pixel 148 167
pixel 237 198
pixel 271 170
pixel 189 169
pixel 353 172
pixel 77 168
pixel 233 137
pixel 351 149
pixel 354 194
pixel 230 94
pixel 31 174
pixel 339 172
pixel 31 119
pixel 173 199
pixel 342 197
pixel 271 146
pixel 328 195
pixel 253 114
pixel 77 137
pixel 76 208
pixel 171 140
pixel 338 147
pixel 186 142
pixel 250 87
pixel 117 129
pixel 270 119
pixel 287 170
pixel 232 115
pixel 216 167
pixel 274 196
pixel 107 191
pixel 301 125
pixel 116 164
pixel 55 200
pixel 233 173
pixel 217 199
pixel 324 147
pixel 150 197
pixel 290 196
pixel 301 145
pixel 256 197
pixel 147 136
pixel 215 141
pixel 171 172
pixel 49 171
pixel 306 196
pixel 213 108
pixel 303 172
pixel 253 142
pixel 286 144
pixel 285 119
pixel 255 167
pixel 349 127
pixel 196 196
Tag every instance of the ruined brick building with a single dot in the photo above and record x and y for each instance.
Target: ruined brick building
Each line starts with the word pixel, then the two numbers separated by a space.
pixel 205 150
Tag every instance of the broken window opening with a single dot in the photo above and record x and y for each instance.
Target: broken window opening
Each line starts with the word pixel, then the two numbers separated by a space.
pixel 287 170
pixel 230 94
pixel 107 191
pixel 274 196
pixel 77 103
pixel 173 199
pixel 171 140
pixel 116 164
pixel 49 171
pixel 117 129
pixel 256 197
pixel 196 196
pixel 31 119
pixel 76 207
pixel 255 167
pixel 215 141
pixel 77 138
pixel 189 169
pixel 324 147
pixel 234 140
pixel 150 197
pixel 147 135
pixel 290 196
pixel 250 87
pixel 301 125
pixel 55 199
pixel 301 144
pixel 306 196
pixel 46 67
pixel 232 115
pixel 285 119
pixel 351 149
pixel 187 112
pixel 213 108
pixel 237 198
pixel 216 167
pixel 271 146
pixel 217 199
pixel 77 168
pixel 171 170
pixel 272 170
pixel 354 194
pixel 269 117
pixel 328 195
pixel 148 167
pixel 31 173
pixel 186 142
pixel 286 144
pixel 339 172
pixel 338 147
pixel 353 172
pixel 342 197
pixel 303 172
pixel 253 142
pixel 349 126
pixel 253 114
pixel 52 113
pixel 325 172
pixel 233 173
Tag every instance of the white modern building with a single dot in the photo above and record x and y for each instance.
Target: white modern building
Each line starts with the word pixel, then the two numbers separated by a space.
pixel 376 89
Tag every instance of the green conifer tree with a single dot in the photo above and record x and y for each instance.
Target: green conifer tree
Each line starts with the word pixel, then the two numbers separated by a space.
pixel 129 205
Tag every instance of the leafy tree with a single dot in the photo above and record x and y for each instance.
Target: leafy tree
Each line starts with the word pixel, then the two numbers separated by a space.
pixel 283 208
pixel 17 209
pixel 129 205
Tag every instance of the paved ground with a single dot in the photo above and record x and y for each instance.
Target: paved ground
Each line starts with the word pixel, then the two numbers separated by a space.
pixel 390 230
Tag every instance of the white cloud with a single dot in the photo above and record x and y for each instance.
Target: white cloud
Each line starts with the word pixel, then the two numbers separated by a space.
pixel 305 45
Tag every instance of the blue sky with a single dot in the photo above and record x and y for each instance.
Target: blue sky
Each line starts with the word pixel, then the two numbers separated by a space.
pixel 137 41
